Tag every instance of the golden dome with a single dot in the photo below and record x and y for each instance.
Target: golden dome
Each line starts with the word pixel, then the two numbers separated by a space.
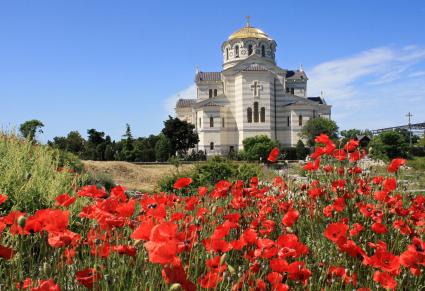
pixel 249 32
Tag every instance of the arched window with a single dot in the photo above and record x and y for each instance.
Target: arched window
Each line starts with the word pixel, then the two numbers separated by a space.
pixel 249 114
pixel 263 114
pixel 288 120
pixel 200 122
pixel 263 51
pixel 300 120
pixel 255 111
pixel 227 53
pixel 215 92
pixel 250 50
pixel 210 92
pixel 222 122
pixel 211 121
pixel 211 146
pixel 237 51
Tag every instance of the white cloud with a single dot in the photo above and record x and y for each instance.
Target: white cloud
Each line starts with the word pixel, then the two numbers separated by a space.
pixel 187 93
pixel 374 88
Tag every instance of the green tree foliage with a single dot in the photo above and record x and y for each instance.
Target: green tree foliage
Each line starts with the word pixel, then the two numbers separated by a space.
pixel 316 126
pixel 180 134
pixel 301 150
pixel 30 128
pixel 163 149
pixel 256 147
pixel 73 143
pixel 95 146
pixel 389 145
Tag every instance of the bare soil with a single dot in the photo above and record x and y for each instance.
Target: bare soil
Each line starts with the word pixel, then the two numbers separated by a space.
pixel 133 176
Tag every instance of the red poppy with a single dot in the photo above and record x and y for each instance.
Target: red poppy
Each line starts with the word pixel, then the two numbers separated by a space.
pixel 210 280
pixel 182 182
pixel 6 253
pixel 273 155
pixel 322 138
pixel 351 145
pixel 88 277
pixel 279 265
pixel 378 227
pixel 92 191
pixel 395 165
pixel 3 198
pixel 340 155
pixel 290 217
pixel 385 279
pixel 162 244
pixel 46 285
pixel 64 200
pixel 336 232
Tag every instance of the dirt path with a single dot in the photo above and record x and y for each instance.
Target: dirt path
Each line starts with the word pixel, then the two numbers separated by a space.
pixel 132 176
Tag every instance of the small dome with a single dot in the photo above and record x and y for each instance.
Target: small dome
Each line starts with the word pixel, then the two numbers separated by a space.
pixel 249 32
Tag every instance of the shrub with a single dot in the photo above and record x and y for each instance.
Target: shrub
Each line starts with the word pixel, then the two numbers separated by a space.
pixel 32 175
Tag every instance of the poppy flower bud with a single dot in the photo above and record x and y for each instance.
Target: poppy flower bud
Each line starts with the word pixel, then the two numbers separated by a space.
pixel 22 220
pixel 45 267
pixel 231 269
pixel 176 287
pixel 222 259
pixel 214 210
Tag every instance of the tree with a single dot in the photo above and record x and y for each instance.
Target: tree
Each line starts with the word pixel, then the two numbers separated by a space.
pixel 389 144
pixel 30 128
pixel 95 146
pixel 258 147
pixel 301 150
pixel 316 126
pixel 163 149
pixel 351 133
pixel 180 134
pixel 75 142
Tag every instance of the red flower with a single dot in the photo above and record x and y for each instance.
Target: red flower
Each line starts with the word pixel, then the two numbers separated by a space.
pixel 279 265
pixel 64 200
pixel 6 253
pixel 88 277
pixel 210 280
pixel 340 155
pixel 351 145
pixel 385 279
pixel 378 227
pixel 336 232
pixel 290 217
pixel 162 244
pixel 92 191
pixel 322 138
pixel 182 182
pixel 395 165
pixel 3 198
pixel 273 155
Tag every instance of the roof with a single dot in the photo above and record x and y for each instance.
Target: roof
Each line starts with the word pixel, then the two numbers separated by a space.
pixel 255 67
pixel 318 99
pixel 249 32
pixel 185 103
pixel 208 76
pixel 296 74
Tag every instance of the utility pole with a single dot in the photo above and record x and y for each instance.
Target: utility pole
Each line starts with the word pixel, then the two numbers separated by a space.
pixel 409 115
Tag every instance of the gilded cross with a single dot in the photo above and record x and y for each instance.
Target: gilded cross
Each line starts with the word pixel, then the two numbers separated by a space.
pixel 248 24
pixel 256 88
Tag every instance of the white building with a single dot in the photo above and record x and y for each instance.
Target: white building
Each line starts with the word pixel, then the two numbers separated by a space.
pixel 250 96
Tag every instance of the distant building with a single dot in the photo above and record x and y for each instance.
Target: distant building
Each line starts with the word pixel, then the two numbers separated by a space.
pixel 250 96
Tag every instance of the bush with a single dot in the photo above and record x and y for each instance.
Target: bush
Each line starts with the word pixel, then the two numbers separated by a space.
pixel 33 175
pixel 289 153
pixel 417 151
pixel 210 172
pixel 257 147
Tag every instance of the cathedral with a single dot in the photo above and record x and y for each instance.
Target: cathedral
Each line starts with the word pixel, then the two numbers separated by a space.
pixel 250 96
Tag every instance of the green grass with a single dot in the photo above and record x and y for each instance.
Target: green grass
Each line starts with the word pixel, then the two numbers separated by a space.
pixel 30 174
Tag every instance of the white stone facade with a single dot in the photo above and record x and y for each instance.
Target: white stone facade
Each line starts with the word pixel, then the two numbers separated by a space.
pixel 250 96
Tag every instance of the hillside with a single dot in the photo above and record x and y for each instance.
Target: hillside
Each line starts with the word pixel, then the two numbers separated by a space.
pixel 138 177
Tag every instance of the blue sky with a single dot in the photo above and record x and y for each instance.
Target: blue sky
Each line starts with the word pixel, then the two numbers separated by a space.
pixel 77 65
